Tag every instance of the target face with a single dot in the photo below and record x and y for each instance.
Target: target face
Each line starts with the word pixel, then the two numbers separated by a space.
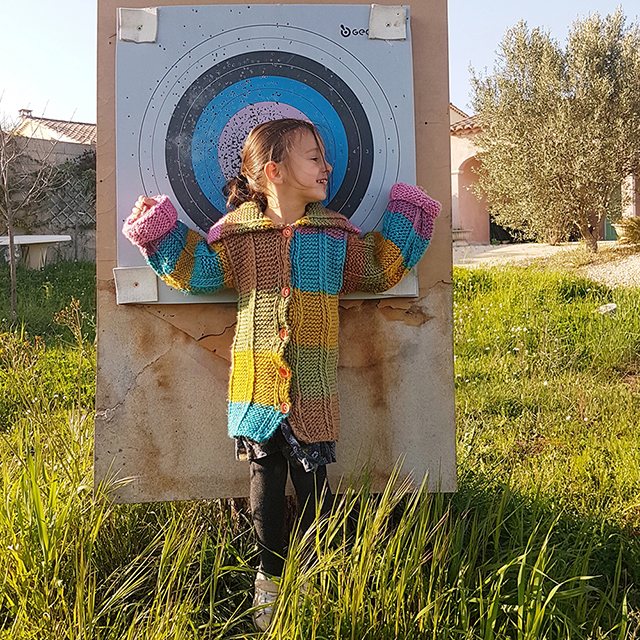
pixel 213 117
pixel 185 104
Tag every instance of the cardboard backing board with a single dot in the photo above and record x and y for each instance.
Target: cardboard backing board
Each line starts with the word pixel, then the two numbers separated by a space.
pixel 163 368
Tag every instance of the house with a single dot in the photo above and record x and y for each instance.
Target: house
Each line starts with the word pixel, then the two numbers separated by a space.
pixel 470 214
pixel 72 139
pixel 69 209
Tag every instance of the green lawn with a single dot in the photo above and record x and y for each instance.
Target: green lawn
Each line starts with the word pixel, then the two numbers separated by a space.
pixel 541 540
pixel 43 293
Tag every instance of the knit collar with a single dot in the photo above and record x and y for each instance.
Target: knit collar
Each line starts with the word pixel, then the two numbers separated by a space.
pixel 248 217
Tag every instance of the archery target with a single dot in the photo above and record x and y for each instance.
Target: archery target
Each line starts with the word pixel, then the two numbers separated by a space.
pixel 185 104
pixel 216 112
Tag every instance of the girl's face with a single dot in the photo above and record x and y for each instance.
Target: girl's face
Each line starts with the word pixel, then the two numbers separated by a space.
pixel 305 171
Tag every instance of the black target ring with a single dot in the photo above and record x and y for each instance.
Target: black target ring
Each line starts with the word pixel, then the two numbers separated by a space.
pixel 200 94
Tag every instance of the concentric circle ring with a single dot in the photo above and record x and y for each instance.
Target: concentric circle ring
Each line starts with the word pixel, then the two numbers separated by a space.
pixel 201 95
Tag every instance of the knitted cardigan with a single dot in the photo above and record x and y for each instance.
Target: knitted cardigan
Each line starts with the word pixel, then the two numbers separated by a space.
pixel 288 279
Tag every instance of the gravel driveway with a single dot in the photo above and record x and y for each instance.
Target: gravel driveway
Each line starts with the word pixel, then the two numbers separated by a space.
pixel 622 272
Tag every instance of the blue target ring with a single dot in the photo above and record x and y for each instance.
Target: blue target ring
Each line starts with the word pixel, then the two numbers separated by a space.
pixel 264 81
pixel 270 90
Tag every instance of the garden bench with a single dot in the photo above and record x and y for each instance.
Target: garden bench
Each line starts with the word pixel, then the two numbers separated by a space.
pixel 36 245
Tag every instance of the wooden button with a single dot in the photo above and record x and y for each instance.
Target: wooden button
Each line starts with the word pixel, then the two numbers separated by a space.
pixel 287 232
pixel 285 407
pixel 286 292
pixel 284 373
pixel 283 333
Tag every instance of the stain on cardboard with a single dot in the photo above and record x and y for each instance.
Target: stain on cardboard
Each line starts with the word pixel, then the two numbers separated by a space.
pixel 414 316
pixel 372 360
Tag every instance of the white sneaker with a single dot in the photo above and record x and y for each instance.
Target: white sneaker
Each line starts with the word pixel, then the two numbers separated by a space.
pixel 266 592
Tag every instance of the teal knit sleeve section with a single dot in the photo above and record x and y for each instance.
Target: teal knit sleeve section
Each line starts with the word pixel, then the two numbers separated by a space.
pixel 377 261
pixel 180 256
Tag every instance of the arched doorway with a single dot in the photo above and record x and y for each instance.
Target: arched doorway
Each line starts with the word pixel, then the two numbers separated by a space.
pixel 472 211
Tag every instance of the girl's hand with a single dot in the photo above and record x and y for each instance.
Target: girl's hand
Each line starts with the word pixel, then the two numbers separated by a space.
pixel 142 205
pixel 422 189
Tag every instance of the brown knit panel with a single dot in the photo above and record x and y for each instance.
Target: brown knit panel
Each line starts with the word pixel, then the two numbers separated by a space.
pixel 316 420
pixel 259 260
pixel 242 257
pixel 354 265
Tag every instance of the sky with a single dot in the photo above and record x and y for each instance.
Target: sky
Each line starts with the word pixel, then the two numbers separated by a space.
pixel 48 54
pixel 48 58
pixel 476 28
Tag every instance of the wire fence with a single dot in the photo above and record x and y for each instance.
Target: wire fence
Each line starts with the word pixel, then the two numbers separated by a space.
pixel 71 210
pixel 71 206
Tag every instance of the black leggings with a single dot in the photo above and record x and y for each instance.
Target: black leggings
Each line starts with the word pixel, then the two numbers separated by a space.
pixel 268 504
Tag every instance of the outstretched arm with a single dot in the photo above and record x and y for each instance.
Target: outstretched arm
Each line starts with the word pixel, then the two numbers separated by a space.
pixel 179 255
pixel 377 261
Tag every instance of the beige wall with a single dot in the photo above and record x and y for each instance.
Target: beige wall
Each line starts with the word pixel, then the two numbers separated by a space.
pixel 162 370
pixel 454 116
pixel 83 237
pixel 57 152
pixel 472 211
pixel 38 151
pixel 468 211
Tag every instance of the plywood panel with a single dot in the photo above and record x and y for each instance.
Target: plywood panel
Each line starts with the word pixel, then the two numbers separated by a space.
pixel 163 369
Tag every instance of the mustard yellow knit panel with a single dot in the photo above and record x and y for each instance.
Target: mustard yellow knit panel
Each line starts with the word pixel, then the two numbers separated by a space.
pixel 313 317
pixel 255 377
pixel 183 270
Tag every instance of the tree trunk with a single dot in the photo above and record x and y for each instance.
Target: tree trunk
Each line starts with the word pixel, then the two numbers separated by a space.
pixel 590 235
pixel 12 273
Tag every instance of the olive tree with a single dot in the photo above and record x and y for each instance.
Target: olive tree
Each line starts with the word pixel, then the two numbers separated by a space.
pixel 560 127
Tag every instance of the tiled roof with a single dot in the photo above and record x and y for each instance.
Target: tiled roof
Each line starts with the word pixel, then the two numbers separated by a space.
pixel 468 125
pixel 63 130
pixel 460 112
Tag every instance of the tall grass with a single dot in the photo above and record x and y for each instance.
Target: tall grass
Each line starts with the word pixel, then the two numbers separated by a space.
pixel 77 566
pixel 541 540
pixel 45 292
pixel 547 387
pixel 417 565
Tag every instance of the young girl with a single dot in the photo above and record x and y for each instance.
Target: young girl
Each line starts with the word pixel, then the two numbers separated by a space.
pixel 289 259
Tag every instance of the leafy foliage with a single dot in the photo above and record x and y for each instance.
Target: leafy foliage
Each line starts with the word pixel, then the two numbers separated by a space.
pixel 628 230
pixel 561 127
pixel 83 168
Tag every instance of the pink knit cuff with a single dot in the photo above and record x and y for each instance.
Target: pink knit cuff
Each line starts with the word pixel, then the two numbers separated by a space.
pixel 215 233
pixel 415 196
pixel 152 224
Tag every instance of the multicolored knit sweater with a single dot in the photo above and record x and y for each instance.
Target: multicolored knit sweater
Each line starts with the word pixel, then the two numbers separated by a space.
pixel 288 278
